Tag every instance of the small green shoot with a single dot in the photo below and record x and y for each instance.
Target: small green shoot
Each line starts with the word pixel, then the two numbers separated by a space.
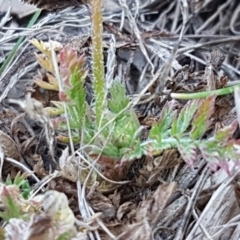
pixel 12 210
pixel 21 182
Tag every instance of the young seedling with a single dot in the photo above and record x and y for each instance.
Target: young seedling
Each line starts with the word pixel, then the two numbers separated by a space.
pixel 186 130
pixel 111 127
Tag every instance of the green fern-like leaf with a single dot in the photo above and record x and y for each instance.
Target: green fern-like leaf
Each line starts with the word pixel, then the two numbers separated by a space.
pixel 73 73
pixel 133 152
pixel 201 119
pixel 188 152
pixel 77 94
pixel 217 150
pixel 119 100
pixel 221 148
pixel 182 122
pixel 160 129
pixel 225 134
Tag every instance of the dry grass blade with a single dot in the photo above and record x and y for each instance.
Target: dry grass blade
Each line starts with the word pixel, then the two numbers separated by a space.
pixel 212 208
pixel 136 31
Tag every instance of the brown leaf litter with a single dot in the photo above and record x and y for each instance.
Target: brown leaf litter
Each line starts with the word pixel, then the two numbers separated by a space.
pixel 162 198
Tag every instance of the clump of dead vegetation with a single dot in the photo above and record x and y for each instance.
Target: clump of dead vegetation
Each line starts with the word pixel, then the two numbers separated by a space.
pixel 105 149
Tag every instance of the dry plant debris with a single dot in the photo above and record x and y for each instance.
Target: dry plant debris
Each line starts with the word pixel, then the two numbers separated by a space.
pixel 55 5
pixel 51 189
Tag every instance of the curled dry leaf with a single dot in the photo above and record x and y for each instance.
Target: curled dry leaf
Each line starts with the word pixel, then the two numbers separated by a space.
pixel 54 219
pixel 37 228
pixel 9 146
pixel 36 111
pixel 68 166
pixel 115 198
pixel 56 205
pixel 64 185
pixel 99 202
pixel 69 170
pixel 127 209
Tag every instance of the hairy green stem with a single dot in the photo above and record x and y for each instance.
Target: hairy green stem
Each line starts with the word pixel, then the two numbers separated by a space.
pixel 97 55
pixel 218 92
pixel 170 142
pixel 173 142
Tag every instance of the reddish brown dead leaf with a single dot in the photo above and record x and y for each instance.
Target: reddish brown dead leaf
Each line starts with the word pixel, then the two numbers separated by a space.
pixel 65 186
pixel 40 225
pixel 111 167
